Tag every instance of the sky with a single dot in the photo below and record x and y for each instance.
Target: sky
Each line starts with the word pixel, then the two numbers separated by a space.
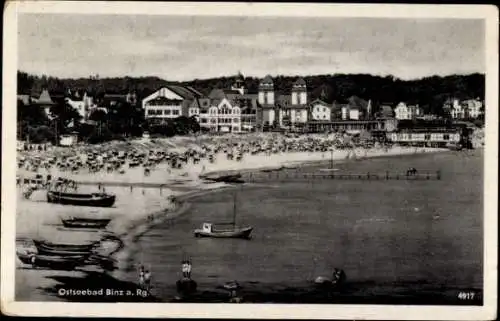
pixel 181 48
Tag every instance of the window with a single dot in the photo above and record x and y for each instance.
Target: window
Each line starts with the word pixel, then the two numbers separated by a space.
pixel 203 121
pixel 427 136
pixel 235 120
pixel 446 137
pixel 167 111
pixel 175 112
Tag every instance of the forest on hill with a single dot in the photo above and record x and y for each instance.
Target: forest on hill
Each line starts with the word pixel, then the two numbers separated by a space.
pixel 429 92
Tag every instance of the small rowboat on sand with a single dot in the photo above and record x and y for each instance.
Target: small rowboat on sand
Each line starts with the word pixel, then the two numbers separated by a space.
pixel 93 199
pixel 53 262
pixel 78 222
pixel 47 248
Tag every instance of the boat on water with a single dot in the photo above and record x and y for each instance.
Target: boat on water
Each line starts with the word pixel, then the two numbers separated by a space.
pixel 208 229
pixel 51 261
pixel 47 248
pixel 79 222
pixel 93 199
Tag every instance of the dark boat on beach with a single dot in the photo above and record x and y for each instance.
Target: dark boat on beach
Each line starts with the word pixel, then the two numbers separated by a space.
pixel 231 178
pixel 48 248
pixel 78 222
pixel 207 229
pixel 93 199
pixel 51 261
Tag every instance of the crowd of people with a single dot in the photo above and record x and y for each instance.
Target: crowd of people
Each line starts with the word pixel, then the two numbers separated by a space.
pixel 118 159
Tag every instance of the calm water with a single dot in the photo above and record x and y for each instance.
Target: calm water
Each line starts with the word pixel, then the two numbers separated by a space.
pixel 382 232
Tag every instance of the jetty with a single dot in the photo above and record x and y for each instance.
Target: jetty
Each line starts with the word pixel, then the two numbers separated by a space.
pixel 333 175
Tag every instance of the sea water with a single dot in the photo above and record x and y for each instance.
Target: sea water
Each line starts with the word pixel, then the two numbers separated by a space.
pixel 402 234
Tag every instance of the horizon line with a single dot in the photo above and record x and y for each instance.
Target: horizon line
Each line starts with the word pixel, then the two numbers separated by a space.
pixel 251 76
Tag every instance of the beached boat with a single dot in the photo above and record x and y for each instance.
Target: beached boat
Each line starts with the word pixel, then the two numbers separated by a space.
pixel 93 199
pixel 231 178
pixel 78 222
pixel 48 248
pixel 51 261
pixel 208 229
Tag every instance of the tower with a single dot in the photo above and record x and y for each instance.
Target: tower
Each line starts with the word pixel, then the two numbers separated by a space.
pixel 266 100
pixel 266 91
pixel 239 84
pixel 299 92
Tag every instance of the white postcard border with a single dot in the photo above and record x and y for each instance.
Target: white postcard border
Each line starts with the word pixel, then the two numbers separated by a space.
pixel 185 310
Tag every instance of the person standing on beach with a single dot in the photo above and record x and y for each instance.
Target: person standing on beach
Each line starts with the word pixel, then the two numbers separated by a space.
pixel 189 269
pixel 147 280
pixel 141 276
pixel 185 269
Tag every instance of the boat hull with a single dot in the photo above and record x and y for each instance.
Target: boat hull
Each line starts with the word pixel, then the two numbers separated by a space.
pixel 86 223
pixel 46 248
pixel 53 262
pixel 243 233
pixel 95 200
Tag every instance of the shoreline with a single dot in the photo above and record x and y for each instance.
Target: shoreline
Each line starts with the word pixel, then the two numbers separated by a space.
pixel 133 229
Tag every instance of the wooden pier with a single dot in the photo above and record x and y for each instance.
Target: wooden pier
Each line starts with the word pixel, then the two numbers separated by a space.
pixel 368 176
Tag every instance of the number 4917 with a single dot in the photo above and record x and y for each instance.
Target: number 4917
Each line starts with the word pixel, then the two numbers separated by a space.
pixel 466 295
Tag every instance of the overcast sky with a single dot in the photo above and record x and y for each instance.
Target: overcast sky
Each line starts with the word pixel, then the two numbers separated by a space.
pixel 185 48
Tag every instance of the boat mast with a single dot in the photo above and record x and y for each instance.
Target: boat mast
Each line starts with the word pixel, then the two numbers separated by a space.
pixel 234 210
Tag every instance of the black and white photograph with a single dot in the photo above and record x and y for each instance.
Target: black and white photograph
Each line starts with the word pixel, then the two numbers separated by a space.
pixel 250 160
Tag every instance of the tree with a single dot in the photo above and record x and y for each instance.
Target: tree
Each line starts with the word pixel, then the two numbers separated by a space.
pixel 63 115
pixel 29 117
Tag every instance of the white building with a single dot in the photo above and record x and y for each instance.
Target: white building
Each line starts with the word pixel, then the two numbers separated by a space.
pixel 83 105
pixel 350 113
pixel 471 108
pixel 223 117
pixel 474 107
pixel 227 110
pixel 170 102
pixel 283 109
pixel 403 111
pixel 320 111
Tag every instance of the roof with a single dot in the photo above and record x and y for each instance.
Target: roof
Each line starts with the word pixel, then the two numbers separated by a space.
pixel 386 111
pixel 300 82
pixel 195 91
pixel 216 94
pixel 267 81
pixel 356 102
pixel 44 98
pixel 184 92
pixel 194 104
pixel 319 101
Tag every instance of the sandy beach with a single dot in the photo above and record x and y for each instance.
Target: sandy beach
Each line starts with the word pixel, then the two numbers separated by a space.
pixel 38 219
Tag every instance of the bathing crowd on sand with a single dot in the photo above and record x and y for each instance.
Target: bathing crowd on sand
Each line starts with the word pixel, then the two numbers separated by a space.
pixel 176 154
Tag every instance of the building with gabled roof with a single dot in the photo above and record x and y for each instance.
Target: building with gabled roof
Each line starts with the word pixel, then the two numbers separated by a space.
pixel 229 110
pixel 283 109
pixel 170 101
pixel 320 110
pixel 44 101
